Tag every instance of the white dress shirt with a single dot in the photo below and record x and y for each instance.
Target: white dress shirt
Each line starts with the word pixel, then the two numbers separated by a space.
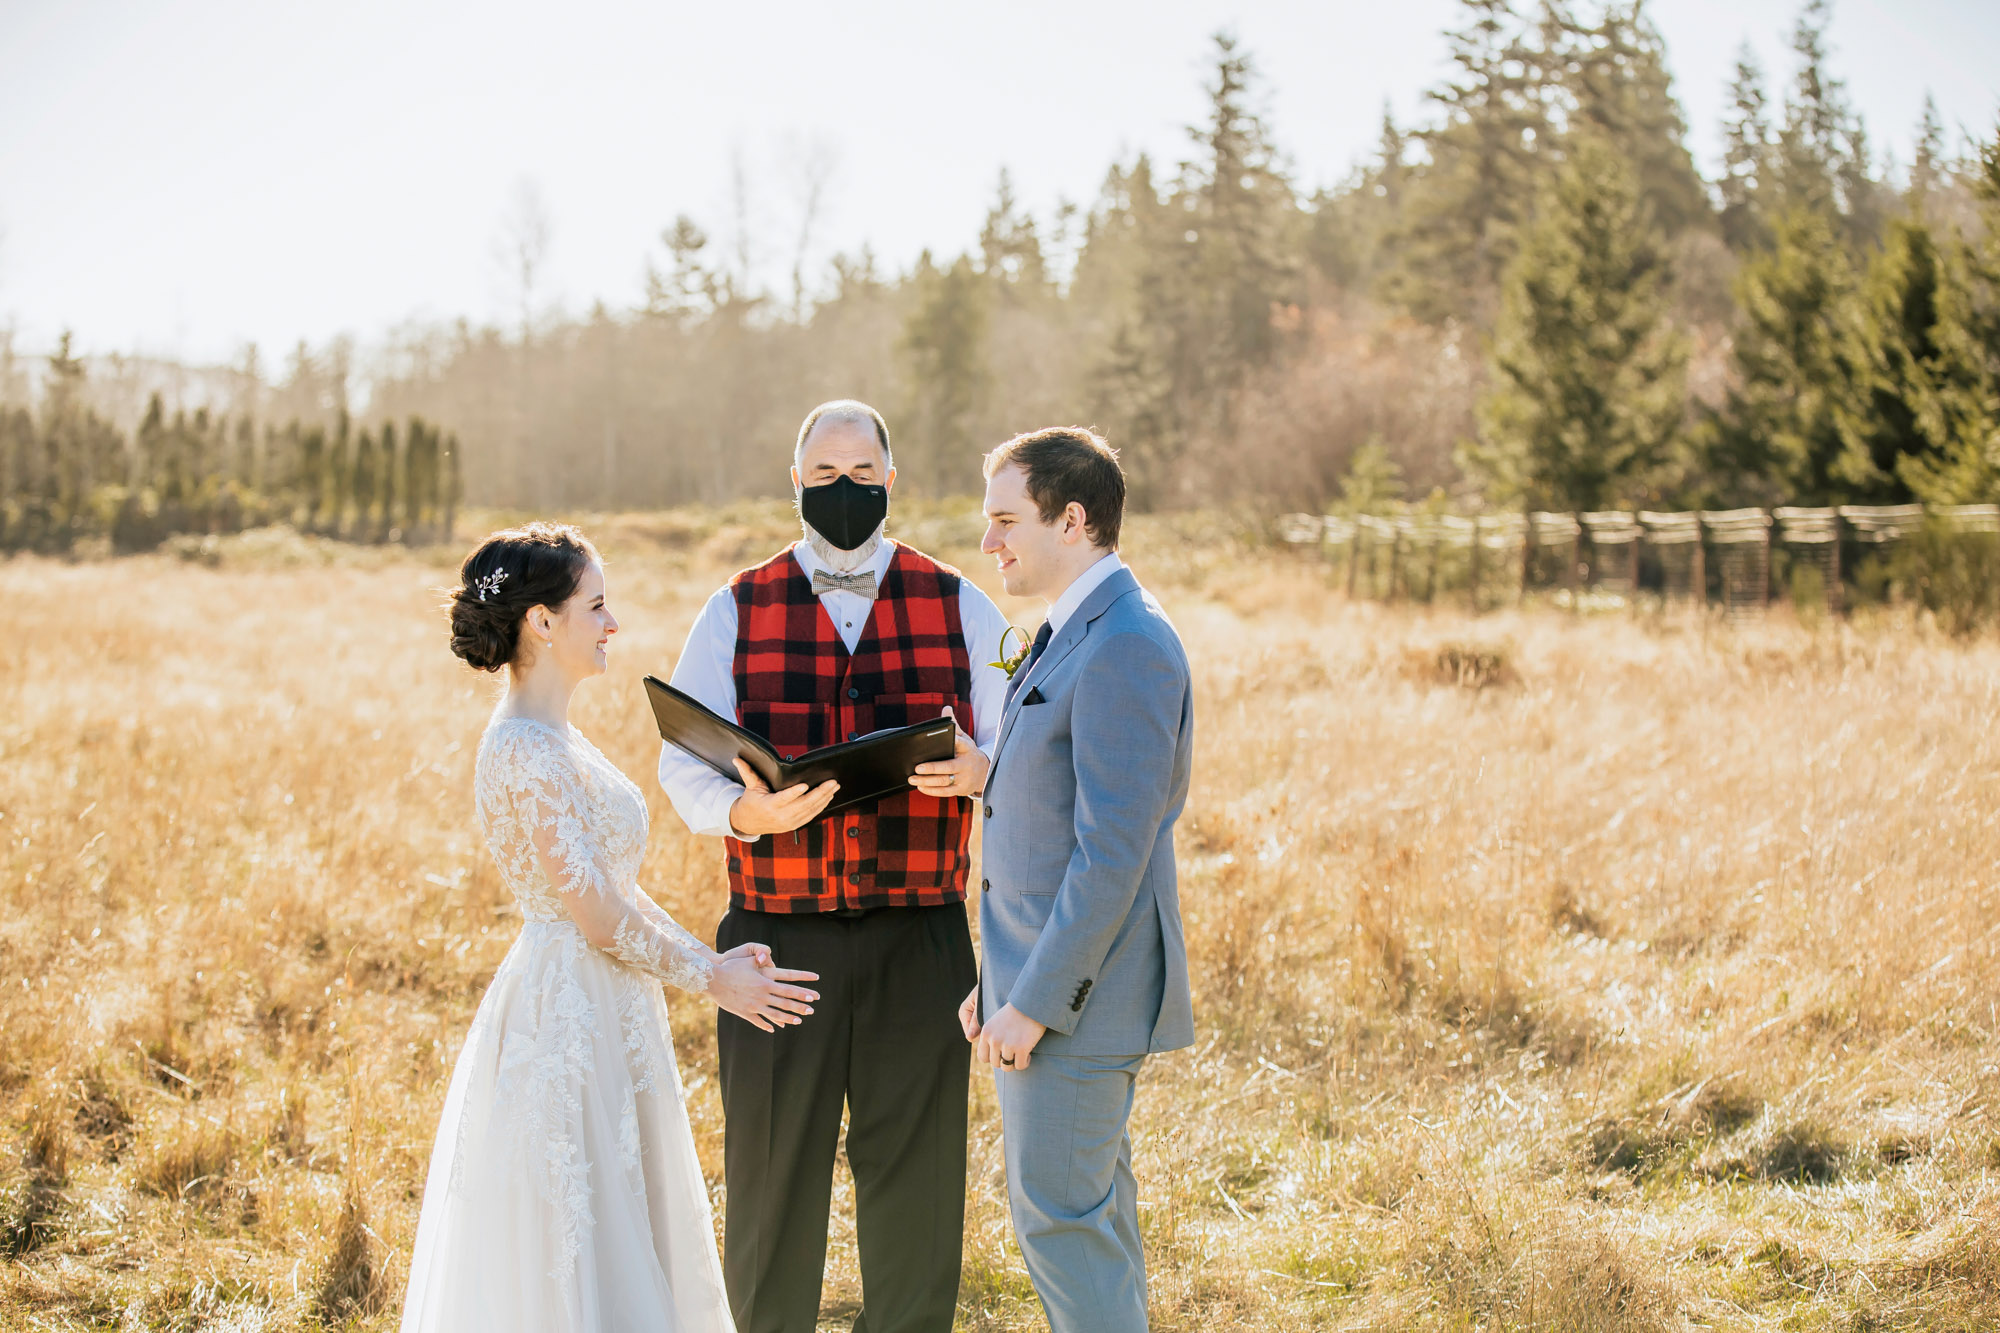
pixel 1088 582
pixel 706 670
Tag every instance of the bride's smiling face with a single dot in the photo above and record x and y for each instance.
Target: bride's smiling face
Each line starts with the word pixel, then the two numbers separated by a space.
pixel 575 637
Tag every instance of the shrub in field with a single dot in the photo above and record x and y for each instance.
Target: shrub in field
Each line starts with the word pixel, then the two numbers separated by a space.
pixel 1953 575
pixel 1469 666
pixel 356 1281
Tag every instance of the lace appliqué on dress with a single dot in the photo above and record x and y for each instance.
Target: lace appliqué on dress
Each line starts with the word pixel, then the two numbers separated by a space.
pixel 541 1080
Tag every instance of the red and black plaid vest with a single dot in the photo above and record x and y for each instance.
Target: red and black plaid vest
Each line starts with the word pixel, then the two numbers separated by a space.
pixel 799 688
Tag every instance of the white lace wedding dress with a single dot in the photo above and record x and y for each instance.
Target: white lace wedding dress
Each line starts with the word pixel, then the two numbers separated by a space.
pixel 564 1193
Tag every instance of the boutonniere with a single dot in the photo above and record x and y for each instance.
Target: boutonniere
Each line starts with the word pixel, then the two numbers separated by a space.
pixel 1012 664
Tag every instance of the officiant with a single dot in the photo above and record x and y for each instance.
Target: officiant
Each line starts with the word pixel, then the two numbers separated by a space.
pixel 843 633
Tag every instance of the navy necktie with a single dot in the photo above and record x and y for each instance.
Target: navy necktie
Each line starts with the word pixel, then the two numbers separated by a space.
pixel 1042 636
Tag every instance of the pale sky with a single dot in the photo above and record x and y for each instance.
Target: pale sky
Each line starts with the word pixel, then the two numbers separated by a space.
pixel 180 178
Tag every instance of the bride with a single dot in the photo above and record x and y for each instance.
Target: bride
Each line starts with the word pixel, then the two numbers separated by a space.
pixel 564 1192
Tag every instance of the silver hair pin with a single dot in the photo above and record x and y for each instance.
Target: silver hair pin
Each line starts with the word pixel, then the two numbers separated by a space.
pixel 490 583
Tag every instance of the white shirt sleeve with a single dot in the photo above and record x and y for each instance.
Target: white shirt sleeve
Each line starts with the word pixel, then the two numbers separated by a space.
pixel 983 625
pixel 701 796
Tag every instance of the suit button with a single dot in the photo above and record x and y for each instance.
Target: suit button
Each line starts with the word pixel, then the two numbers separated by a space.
pixel 854 833
pixel 853 693
pixel 989 812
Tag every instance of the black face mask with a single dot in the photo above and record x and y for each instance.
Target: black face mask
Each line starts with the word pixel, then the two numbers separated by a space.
pixel 844 511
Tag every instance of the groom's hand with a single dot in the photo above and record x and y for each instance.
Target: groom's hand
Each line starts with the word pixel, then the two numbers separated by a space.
pixel 760 810
pixel 964 774
pixel 1007 1039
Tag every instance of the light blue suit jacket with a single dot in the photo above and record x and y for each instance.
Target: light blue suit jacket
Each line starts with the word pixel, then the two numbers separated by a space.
pixel 1079 914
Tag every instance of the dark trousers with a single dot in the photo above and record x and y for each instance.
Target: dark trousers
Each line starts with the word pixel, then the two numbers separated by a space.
pixel 883 1041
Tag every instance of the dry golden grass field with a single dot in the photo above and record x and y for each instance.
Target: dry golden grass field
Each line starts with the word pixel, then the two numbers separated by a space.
pixel 1616 972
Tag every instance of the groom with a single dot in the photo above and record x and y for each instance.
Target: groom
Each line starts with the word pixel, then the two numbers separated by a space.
pixel 1084 968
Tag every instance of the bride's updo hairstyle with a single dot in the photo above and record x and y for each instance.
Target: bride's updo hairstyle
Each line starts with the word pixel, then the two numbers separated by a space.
pixel 536 565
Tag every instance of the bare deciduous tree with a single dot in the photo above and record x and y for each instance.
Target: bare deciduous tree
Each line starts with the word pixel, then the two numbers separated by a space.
pixel 811 170
pixel 521 249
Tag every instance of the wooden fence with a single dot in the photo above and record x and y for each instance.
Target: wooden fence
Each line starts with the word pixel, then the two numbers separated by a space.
pixel 1702 557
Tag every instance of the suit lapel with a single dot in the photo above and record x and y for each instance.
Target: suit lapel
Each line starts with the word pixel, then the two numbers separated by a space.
pixel 1063 644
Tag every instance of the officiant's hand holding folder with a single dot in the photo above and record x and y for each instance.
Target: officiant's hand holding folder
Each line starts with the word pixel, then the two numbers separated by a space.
pixel 872 766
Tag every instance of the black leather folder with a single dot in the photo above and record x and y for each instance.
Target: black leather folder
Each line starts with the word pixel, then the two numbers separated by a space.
pixel 867 768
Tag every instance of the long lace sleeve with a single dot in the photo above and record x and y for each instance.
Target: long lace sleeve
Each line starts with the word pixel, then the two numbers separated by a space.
pixel 660 917
pixel 550 799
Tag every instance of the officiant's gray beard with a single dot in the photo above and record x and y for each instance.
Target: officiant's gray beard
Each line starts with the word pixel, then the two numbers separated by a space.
pixel 836 561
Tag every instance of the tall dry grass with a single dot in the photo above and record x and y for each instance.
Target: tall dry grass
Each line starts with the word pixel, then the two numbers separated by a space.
pixel 1643 978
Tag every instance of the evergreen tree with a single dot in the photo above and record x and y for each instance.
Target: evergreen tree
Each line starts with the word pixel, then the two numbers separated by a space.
pixel 1747 156
pixel 150 445
pixel 176 484
pixel 65 436
pixel 387 467
pixel 1130 271
pixel 1010 248
pixel 419 478
pixel 1245 223
pixel 1822 158
pixel 1615 73
pixel 1468 203
pixel 1929 159
pixel 204 454
pixel 1347 236
pixel 688 288
pixel 247 470
pixel 273 468
pixel 944 353
pixel 1195 282
pixel 1981 256
pixel 366 473
pixel 1777 439
pixel 10 473
pixel 312 474
pixel 1373 479
pixel 17 446
pixel 1918 423
pixel 1587 374
pixel 1815 115
pixel 339 472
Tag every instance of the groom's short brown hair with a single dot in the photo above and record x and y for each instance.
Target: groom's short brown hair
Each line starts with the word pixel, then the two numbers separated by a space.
pixel 1065 464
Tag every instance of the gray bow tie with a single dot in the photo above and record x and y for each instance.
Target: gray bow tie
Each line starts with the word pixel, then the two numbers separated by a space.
pixel 861 583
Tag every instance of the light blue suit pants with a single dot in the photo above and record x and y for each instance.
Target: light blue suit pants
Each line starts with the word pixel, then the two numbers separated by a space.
pixel 1071 1191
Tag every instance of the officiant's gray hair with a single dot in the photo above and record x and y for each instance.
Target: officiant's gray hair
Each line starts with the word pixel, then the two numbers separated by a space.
pixel 852 412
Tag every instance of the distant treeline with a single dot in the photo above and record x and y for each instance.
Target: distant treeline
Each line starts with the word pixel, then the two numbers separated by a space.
pixel 68 475
pixel 1533 300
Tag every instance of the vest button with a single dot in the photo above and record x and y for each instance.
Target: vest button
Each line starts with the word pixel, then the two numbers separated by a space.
pixel 989 812
pixel 853 693
pixel 854 877
pixel 986 886
pixel 853 832
pixel 854 735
